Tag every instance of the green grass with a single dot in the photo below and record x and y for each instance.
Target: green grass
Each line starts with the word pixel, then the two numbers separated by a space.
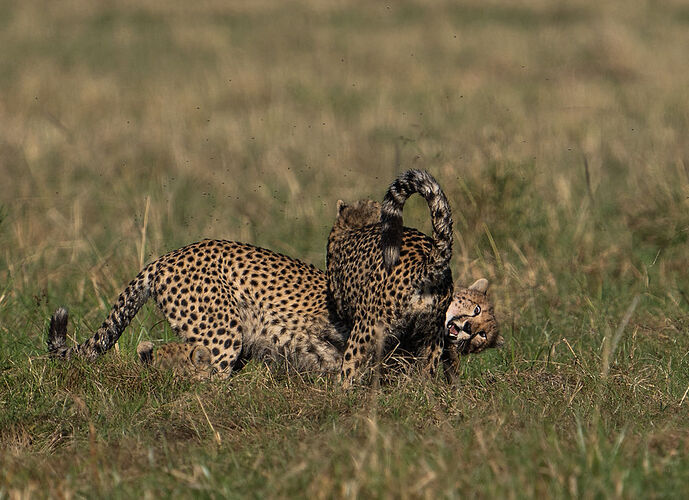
pixel 559 135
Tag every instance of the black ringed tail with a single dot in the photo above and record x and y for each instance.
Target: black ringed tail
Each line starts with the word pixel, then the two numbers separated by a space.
pixel 408 183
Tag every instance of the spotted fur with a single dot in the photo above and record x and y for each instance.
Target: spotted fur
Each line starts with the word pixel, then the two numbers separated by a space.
pixel 236 300
pixel 379 270
pixel 467 331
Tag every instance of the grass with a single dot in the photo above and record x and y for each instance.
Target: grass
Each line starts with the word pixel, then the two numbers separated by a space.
pixel 559 135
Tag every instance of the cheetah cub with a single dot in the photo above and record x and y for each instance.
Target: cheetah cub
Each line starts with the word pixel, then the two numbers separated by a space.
pixel 379 270
pixel 470 326
pixel 184 359
pixel 234 300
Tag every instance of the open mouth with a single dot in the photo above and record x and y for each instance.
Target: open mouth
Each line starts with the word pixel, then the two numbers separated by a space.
pixel 458 332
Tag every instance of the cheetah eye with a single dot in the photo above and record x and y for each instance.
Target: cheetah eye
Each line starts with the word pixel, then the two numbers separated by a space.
pixel 482 334
pixel 477 310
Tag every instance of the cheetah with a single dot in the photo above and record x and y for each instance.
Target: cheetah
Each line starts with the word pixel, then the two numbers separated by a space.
pixel 380 271
pixel 184 359
pixel 289 319
pixel 470 326
pixel 236 300
pixel 470 323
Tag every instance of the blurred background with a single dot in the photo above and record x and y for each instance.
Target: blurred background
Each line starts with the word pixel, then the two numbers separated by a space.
pixel 558 130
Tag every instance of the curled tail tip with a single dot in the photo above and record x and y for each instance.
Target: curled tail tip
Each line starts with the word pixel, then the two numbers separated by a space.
pixel 57 333
pixel 414 172
pixel 418 176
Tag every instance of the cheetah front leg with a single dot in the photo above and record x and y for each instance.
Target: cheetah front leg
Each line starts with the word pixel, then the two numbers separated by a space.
pixel 451 364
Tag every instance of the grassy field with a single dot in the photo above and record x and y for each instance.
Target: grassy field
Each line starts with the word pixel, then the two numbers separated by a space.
pixel 559 131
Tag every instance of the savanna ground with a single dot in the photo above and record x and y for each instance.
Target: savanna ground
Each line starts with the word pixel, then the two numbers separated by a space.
pixel 559 132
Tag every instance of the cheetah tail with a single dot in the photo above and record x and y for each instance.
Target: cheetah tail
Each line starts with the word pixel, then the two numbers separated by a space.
pixel 408 183
pixel 57 332
pixel 128 304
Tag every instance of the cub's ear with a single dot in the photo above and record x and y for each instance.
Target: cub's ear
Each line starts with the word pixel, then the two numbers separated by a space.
pixel 145 352
pixel 480 285
pixel 341 205
pixel 500 341
pixel 200 356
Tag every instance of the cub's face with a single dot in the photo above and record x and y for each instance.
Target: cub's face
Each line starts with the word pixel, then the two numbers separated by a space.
pixel 192 360
pixel 470 322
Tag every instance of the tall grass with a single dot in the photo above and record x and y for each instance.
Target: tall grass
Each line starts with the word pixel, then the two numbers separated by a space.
pixel 558 132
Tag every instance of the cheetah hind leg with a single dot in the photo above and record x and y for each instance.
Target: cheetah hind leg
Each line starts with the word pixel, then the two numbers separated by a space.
pixel 433 355
pixel 316 354
pixel 363 343
pixel 218 327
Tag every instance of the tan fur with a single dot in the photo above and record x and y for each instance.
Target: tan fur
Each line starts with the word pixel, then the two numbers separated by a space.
pixel 379 271
pixel 187 360
pixel 192 360
pixel 236 300
pixel 231 302
pixel 469 330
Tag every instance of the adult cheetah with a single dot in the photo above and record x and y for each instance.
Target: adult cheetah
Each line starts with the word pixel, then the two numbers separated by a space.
pixel 380 271
pixel 236 300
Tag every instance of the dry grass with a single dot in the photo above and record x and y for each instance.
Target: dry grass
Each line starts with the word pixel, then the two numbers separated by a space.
pixel 559 134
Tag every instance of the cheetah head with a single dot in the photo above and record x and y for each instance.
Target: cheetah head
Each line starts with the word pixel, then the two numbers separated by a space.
pixel 470 321
pixel 185 359
pixel 358 214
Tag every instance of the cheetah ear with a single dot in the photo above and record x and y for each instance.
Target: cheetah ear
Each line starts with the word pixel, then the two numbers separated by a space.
pixel 480 285
pixel 341 205
pixel 145 352
pixel 200 356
